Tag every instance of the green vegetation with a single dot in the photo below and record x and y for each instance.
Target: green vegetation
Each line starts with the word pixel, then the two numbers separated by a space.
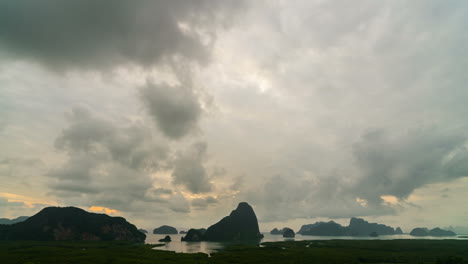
pixel 329 251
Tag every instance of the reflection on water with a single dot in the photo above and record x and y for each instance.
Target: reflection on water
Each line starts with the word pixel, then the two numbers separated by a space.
pixel 190 247
pixel 209 247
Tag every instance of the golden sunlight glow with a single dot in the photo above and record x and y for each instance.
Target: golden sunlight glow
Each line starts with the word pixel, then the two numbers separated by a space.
pixel 27 201
pixel 192 196
pixel 362 202
pixel 100 209
pixel 390 199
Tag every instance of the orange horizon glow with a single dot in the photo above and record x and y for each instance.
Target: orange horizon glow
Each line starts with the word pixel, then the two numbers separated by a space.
pixel 101 209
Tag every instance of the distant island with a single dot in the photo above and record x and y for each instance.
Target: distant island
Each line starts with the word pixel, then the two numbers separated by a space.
pixel 276 231
pixel 435 232
pixel 356 227
pixel 71 223
pixel 165 230
pixel 288 232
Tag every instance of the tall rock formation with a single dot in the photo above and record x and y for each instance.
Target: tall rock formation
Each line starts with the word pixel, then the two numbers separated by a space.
pixel 241 224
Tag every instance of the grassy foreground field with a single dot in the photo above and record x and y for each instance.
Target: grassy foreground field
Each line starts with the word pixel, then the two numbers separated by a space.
pixel 331 251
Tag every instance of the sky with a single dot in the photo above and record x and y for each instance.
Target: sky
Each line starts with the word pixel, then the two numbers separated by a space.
pixel 172 112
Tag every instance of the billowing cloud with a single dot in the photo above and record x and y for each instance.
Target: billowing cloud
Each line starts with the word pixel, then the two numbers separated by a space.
pixel 108 165
pixel 203 203
pixel 175 109
pixel 133 146
pixel 189 169
pixel 398 163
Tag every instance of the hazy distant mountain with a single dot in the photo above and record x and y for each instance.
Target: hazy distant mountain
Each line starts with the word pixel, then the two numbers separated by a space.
pixel 276 231
pixel 6 221
pixel 360 227
pixel 324 229
pixel 357 227
pixel 71 223
pixel 461 230
pixel 435 232
pixel 241 224
pixel 398 231
pixel 165 229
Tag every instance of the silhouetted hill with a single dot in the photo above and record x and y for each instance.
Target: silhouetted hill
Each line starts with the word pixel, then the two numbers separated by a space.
pixel 241 224
pixel 165 239
pixel 71 223
pixel 324 229
pixel 419 231
pixel 437 232
pixel 164 230
pixel 6 221
pixel 357 227
pixel 194 235
pixel 275 231
pixel 360 227
pixel 143 231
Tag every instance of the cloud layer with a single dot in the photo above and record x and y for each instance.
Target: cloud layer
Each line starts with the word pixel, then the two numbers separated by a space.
pixel 305 109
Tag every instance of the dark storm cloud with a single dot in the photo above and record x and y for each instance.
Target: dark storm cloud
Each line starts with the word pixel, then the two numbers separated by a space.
pixel 175 109
pixel 101 34
pixel 190 171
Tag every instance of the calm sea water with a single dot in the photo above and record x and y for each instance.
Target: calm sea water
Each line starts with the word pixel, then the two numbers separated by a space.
pixel 209 247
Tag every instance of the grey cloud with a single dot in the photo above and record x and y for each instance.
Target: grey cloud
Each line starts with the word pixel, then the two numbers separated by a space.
pixel 190 171
pixel 203 203
pixel 398 163
pixel 5 203
pixel 3 125
pixel 162 191
pixel 133 146
pixel 175 109
pixel 97 34
pixel 76 175
pixel 108 164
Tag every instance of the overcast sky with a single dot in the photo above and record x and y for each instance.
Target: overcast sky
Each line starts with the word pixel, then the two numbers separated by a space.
pixel 172 112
